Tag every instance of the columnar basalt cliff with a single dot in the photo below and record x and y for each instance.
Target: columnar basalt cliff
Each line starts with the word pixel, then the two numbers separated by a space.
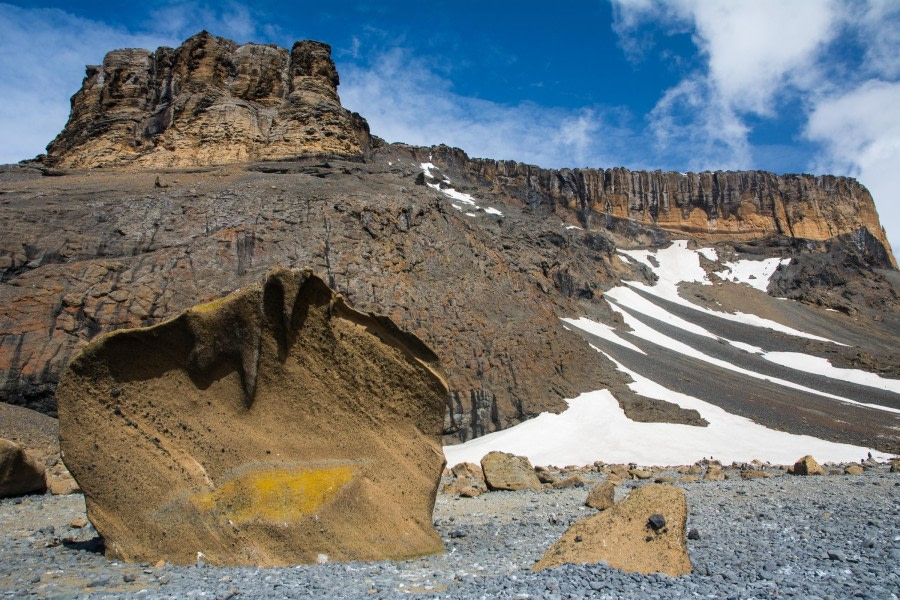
pixel 709 206
pixel 209 101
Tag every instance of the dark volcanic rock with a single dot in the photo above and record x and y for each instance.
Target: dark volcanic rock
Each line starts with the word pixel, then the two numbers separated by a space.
pixel 273 426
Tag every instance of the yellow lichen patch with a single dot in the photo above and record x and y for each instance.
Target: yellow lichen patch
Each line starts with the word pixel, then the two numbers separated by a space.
pixel 274 495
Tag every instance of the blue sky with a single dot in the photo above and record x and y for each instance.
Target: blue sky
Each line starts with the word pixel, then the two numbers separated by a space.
pixel 781 85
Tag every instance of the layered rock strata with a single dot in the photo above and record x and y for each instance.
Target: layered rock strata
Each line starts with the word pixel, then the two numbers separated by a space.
pixel 209 101
pixel 274 426
pixel 715 206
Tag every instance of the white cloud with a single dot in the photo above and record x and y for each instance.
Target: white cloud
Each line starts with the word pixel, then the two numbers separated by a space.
pixel 405 100
pixel 860 131
pixel 762 55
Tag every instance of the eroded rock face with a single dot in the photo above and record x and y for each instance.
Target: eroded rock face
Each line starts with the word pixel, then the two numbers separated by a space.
pixel 209 101
pixel 709 206
pixel 645 532
pixel 274 426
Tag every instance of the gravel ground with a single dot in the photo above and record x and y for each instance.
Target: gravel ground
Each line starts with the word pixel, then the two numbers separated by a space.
pixel 835 536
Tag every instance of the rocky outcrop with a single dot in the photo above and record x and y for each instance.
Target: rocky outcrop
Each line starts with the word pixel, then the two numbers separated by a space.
pixel 645 532
pixel 209 101
pixel 709 206
pixel 19 472
pixel 274 426
pixel 504 471
pixel 86 254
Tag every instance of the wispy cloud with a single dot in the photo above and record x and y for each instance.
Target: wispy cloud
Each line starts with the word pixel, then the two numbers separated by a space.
pixel 405 99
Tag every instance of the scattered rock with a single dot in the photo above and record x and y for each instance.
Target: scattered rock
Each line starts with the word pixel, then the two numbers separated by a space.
pixel 503 471
pixel 19 472
pixel 570 481
pixel 693 534
pixel 807 466
pixel 619 535
pixel 714 473
pixel 263 428
pixel 468 470
pixel 602 496
pixel 657 521
pixel 854 470
pixel 614 479
pixel 639 474
pixel 78 523
pixel 753 474
pixel 664 479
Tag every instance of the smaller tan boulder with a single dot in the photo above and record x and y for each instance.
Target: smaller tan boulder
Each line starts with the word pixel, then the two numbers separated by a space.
pixel 603 496
pixel 895 466
pixel 807 466
pixel 714 473
pixel 569 482
pixel 854 470
pixel 640 474
pixel 504 471
pixel 689 479
pixel 19 473
pixel 614 479
pixel 467 469
pixel 643 533
pixel 620 470
pixel 752 474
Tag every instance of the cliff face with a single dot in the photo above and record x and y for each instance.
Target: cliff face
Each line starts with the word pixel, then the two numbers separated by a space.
pixel 209 101
pixel 98 250
pixel 709 206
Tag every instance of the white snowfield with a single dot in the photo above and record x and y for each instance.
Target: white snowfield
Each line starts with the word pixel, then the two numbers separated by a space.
pixel 594 427
pixel 453 194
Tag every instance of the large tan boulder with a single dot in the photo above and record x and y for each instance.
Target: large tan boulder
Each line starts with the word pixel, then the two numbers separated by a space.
pixel 19 473
pixel 504 471
pixel 807 466
pixel 271 427
pixel 645 532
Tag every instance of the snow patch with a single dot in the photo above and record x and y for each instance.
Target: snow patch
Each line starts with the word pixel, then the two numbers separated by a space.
pixel 594 427
pixel 755 273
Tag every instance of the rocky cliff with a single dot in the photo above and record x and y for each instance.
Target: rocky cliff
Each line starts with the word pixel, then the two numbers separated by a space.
pixel 731 206
pixel 209 101
pixel 479 258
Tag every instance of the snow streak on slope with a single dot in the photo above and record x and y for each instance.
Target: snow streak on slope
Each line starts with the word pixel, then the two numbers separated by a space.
pixel 678 265
pixel 456 195
pixel 816 364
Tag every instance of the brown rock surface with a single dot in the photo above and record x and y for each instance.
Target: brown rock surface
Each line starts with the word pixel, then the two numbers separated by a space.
pixel 503 471
pixel 265 428
pixel 807 466
pixel 19 473
pixel 623 537
pixel 853 470
pixel 602 496
pixel 209 101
